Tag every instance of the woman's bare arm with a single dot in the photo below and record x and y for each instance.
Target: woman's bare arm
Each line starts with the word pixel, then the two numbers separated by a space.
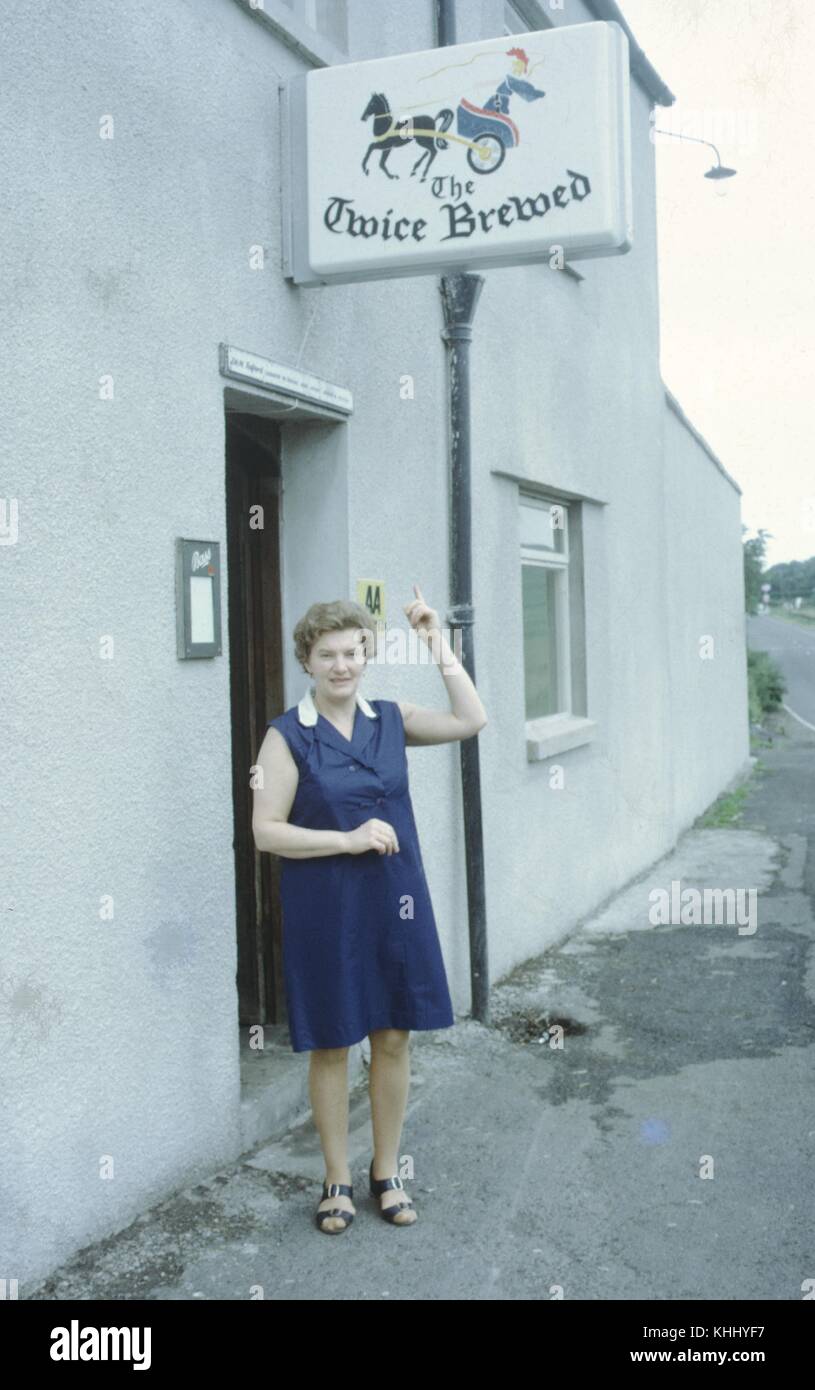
pixel 272 802
pixel 466 716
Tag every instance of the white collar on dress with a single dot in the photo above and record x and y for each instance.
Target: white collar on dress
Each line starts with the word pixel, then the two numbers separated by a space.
pixel 307 711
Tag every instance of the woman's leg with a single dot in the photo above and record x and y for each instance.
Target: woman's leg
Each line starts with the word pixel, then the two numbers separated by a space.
pixel 328 1090
pixel 388 1089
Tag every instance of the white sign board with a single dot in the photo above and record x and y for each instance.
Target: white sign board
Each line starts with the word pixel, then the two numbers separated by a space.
pixel 485 154
pixel 291 381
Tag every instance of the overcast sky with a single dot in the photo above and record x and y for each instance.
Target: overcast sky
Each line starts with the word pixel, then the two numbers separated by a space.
pixel 735 257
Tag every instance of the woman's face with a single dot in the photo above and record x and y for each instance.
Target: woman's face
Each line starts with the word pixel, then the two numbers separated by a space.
pixel 337 661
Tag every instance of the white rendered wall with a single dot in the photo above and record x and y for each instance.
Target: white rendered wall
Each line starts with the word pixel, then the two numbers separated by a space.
pixel 131 258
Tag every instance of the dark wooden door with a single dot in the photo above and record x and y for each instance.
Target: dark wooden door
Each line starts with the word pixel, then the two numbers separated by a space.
pixel 253 496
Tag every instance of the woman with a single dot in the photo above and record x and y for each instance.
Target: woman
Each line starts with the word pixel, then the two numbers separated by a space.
pixel 361 952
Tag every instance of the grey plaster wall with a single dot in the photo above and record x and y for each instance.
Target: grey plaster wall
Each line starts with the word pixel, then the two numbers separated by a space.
pixel 130 259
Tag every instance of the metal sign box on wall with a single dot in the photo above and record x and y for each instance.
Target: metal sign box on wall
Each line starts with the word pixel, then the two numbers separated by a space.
pixel 485 154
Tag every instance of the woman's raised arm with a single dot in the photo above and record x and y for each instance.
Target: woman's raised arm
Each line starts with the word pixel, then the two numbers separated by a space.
pixel 466 715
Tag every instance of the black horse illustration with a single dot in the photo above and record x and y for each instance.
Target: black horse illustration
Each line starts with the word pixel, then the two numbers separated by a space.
pixel 388 133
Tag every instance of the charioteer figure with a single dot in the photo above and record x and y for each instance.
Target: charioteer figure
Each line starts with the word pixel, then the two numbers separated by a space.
pixel 513 84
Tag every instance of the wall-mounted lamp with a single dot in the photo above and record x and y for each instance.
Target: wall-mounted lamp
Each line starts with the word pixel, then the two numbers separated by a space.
pixel 719 170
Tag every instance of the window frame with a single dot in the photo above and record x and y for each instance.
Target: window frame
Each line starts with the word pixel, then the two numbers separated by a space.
pixel 550 734
pixel 285 22
pixel 541 21
pixel 306 12
pixel 559 562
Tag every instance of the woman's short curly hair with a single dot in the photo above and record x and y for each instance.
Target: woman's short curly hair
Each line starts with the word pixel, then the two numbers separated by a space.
pixel 338 616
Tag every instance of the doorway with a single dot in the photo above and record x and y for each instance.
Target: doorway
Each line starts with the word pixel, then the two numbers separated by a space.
pixel 253 523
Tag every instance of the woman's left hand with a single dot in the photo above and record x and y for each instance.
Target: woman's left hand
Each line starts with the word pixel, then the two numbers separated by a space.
pixel 421 617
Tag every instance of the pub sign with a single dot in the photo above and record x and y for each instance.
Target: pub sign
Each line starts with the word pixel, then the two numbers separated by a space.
pixel 501 152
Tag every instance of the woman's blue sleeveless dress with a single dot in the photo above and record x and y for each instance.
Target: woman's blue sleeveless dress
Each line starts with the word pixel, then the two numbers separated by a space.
pixel 361 949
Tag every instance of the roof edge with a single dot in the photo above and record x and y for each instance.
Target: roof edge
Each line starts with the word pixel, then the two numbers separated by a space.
pixel 641 65
pixel 673 404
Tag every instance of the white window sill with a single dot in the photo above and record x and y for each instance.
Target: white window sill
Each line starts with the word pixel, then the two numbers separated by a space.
pixel 556 734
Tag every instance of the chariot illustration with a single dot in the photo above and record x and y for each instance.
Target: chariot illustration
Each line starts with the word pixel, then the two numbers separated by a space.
pixel 486 131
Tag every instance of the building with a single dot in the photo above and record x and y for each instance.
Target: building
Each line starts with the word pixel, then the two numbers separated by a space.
pixel 141 936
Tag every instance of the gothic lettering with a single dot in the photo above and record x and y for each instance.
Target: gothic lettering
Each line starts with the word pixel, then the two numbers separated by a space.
pixel 458 219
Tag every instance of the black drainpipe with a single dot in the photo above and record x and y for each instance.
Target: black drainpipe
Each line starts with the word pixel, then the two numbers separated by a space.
pixel 459 295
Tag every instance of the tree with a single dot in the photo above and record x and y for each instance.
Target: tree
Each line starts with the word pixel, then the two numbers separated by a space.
pixel 754 553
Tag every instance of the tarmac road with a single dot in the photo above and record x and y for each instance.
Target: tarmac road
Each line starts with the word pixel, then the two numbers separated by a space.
pixel 793 646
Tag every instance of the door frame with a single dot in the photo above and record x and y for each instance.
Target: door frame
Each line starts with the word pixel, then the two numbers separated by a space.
pixel 253 530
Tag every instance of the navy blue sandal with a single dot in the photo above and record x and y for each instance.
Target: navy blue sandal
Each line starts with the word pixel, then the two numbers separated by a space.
pixel 336 1189
pixel 380 1185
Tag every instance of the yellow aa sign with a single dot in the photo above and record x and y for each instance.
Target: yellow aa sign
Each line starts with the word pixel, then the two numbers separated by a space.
pixel 371 594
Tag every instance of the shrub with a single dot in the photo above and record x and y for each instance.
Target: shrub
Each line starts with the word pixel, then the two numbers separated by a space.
pixel 765 684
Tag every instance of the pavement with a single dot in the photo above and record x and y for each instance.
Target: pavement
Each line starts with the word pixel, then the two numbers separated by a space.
pixel 637 1121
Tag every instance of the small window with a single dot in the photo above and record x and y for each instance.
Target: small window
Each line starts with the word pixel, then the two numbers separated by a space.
pixel 326 17
pixel 513 23
pixel 516 23
pixel 545 598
